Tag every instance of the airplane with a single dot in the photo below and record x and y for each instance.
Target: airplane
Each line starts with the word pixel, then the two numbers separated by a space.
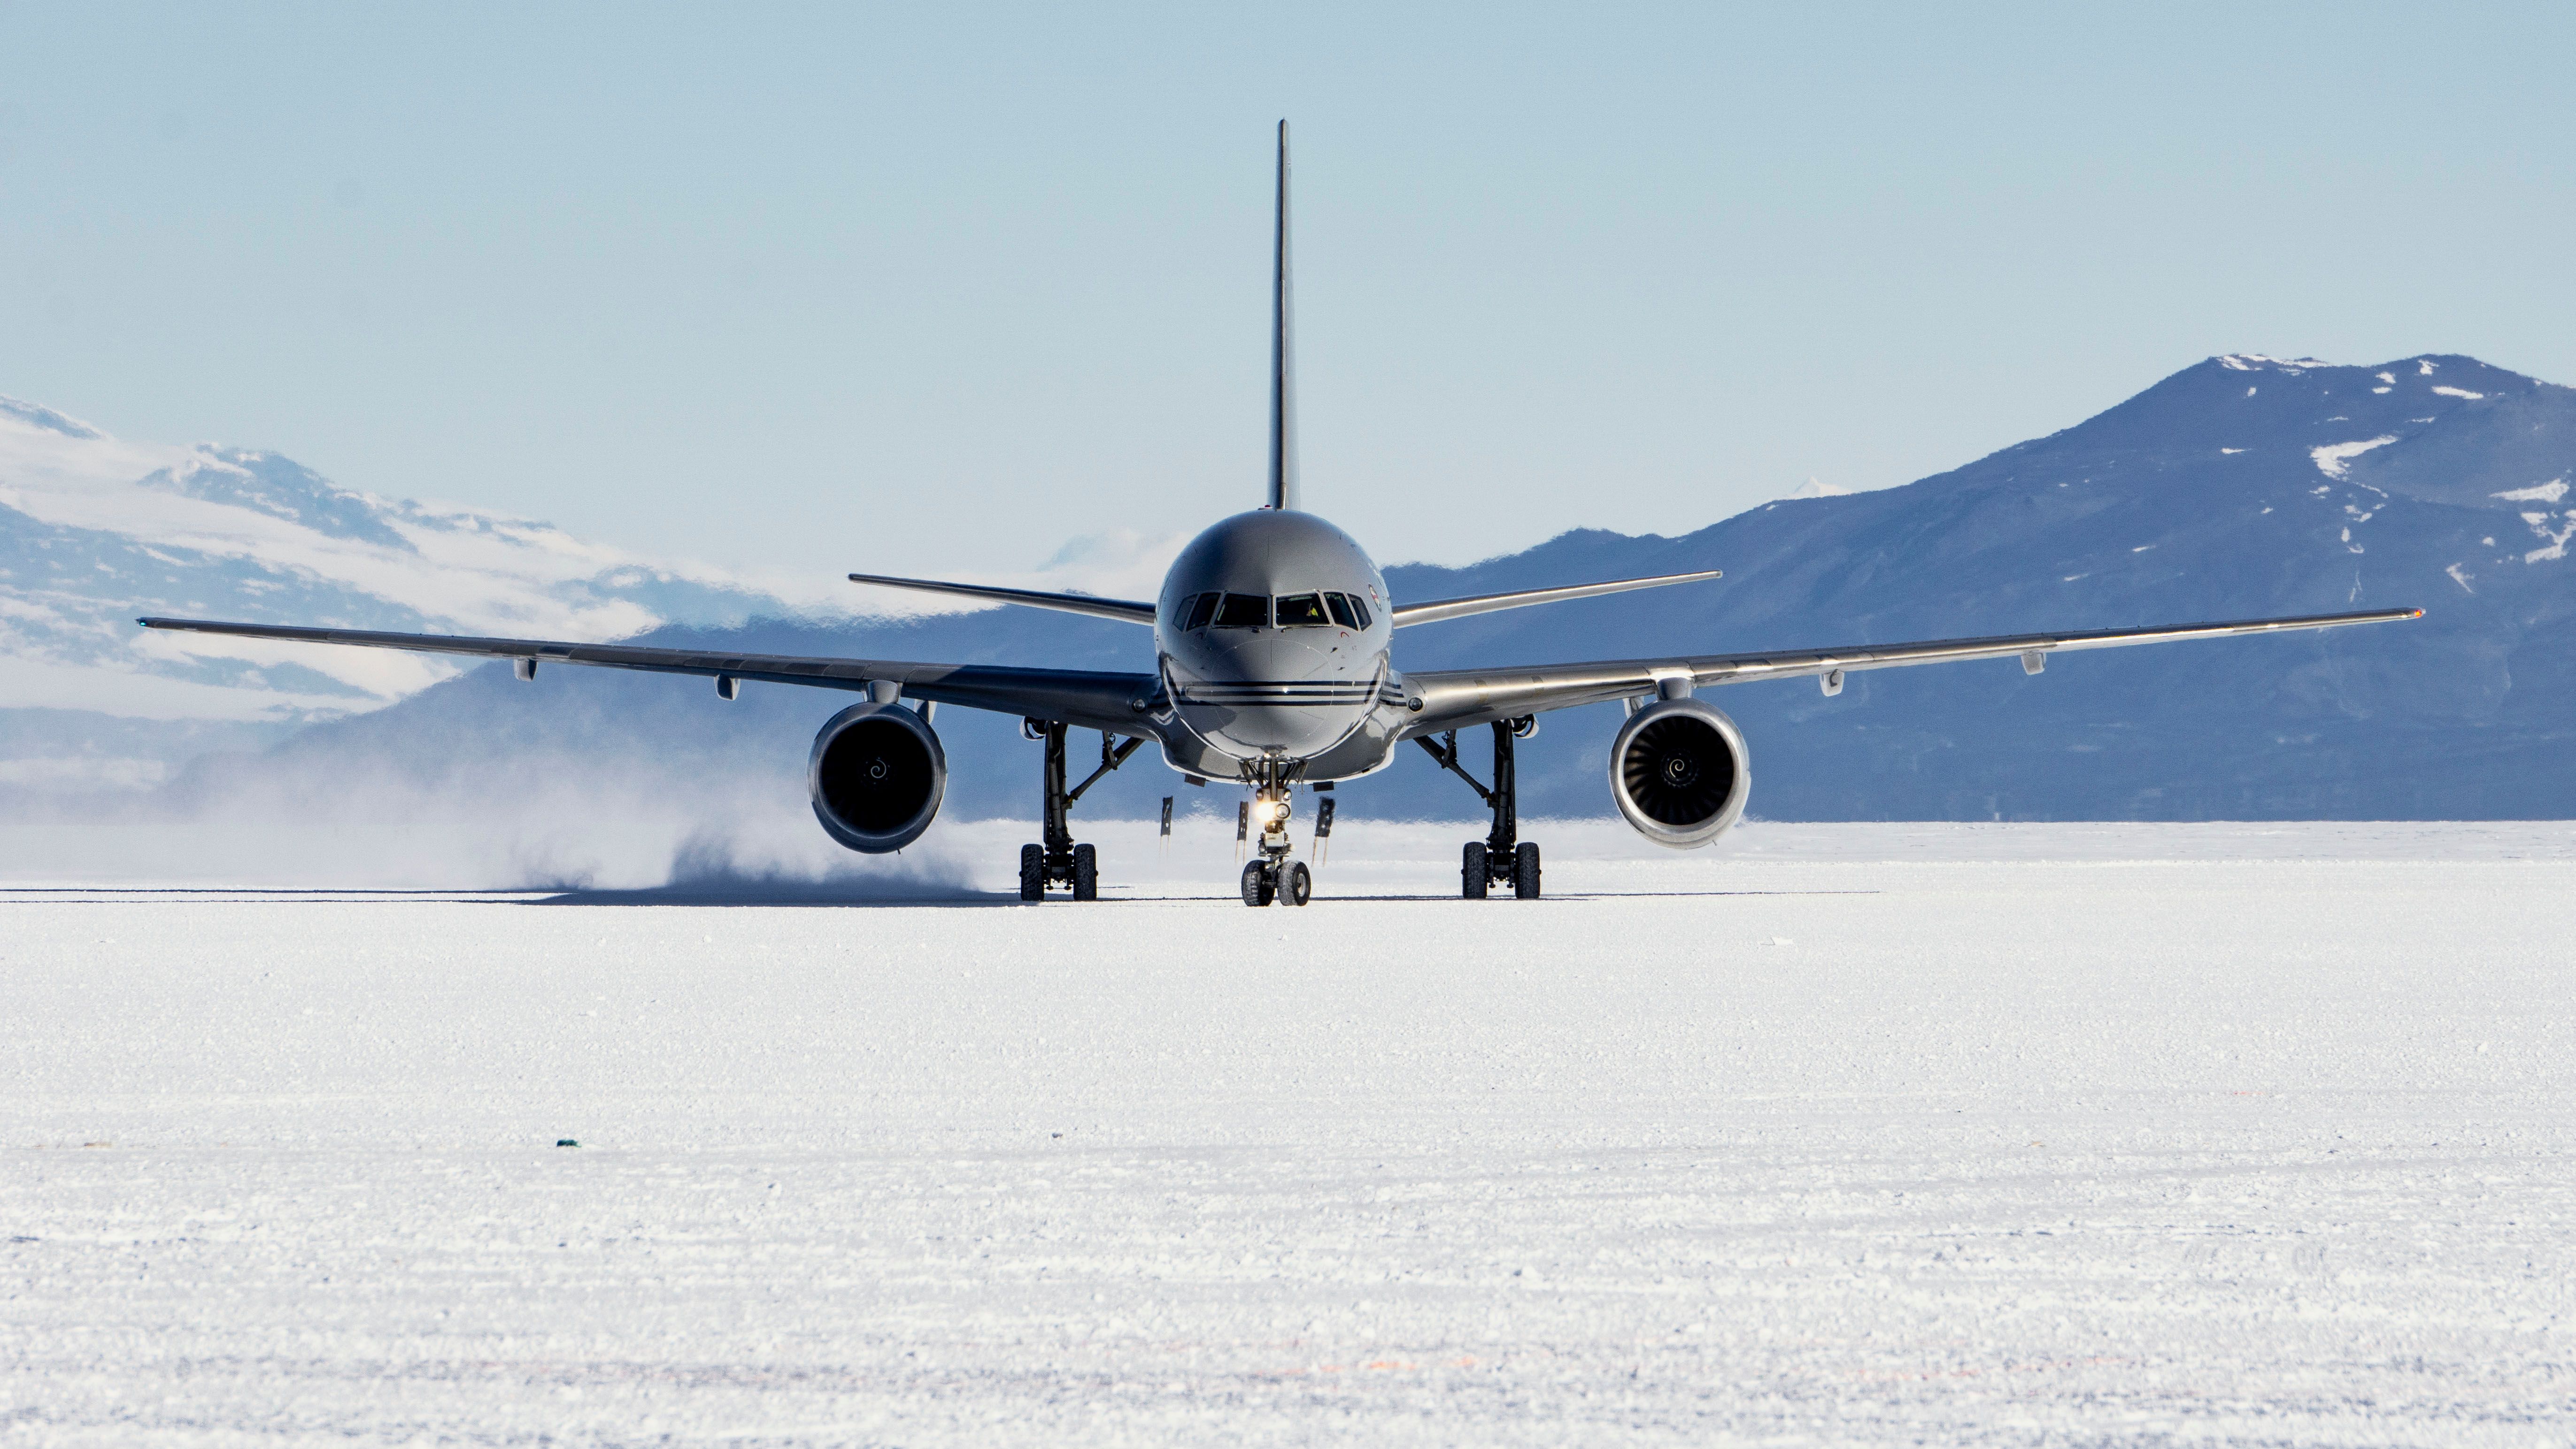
pixel 1274 668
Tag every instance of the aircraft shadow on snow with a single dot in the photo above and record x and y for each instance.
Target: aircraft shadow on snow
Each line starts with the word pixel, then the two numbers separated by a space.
pixel 760 891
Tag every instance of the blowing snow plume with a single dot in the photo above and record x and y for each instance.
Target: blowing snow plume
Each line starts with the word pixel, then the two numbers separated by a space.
pixel 731 867
pixel 534 822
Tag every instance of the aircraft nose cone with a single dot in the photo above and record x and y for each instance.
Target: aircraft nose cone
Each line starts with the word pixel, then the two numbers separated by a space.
pixel 1234 656
pixel 1289 730
pixel 1260 692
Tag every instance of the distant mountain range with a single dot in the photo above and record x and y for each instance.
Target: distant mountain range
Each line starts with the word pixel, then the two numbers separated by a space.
pixel 95 529
pixel 2242 486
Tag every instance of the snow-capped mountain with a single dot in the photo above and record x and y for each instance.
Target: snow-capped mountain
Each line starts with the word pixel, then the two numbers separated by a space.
pixel 95 530
pixel 2239 487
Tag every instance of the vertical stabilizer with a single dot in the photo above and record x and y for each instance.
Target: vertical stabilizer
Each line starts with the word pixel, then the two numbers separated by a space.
pixel 1283 358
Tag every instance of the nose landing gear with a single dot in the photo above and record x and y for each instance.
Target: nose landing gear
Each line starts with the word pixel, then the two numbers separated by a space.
pixel 1272 875
pixel 1502 857
pixel 1059 861
pixel 1265 881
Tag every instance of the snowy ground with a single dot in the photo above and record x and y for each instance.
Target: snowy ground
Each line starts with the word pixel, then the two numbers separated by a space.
pixel 1920 1134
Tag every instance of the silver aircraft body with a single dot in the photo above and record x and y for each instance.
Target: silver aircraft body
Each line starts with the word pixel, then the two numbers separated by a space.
pixel 1274 668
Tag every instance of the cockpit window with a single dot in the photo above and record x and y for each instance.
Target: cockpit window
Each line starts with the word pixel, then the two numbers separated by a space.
pixel 1243 611
pixel 1202 608
pixel 1296 610
pixel 1359 608
pixel 1340 604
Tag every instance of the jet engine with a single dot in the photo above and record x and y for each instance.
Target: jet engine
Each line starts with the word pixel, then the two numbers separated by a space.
pixel 1680 772
pixel 876 775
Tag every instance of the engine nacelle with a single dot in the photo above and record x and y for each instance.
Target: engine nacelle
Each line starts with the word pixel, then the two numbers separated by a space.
pixel 877 775
pixel 1680 772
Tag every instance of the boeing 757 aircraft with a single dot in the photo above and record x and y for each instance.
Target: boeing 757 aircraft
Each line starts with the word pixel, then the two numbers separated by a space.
pixel 1274 667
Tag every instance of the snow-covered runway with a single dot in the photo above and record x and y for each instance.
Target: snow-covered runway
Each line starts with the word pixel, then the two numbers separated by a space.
pixel 1850 1134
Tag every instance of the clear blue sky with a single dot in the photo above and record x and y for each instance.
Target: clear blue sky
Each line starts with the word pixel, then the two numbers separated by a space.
pixel 929 287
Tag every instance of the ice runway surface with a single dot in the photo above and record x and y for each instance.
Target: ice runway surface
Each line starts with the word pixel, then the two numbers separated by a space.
pixel 2016 1135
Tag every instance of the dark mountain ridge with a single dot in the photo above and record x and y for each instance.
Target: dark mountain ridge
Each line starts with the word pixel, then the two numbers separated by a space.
pixel 2240 487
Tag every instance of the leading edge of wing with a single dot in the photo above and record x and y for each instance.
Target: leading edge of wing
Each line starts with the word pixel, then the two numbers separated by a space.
pixel 1438 609
pixel 1130 610
pixel 1092 699
pixel 1454 697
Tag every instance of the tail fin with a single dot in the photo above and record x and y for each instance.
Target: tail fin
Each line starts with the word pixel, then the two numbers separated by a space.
pixel 1283 370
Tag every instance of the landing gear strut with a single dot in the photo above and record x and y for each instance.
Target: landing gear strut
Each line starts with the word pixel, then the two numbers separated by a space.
pixel 1502 857
pixel 1060 862
pixel 1271 875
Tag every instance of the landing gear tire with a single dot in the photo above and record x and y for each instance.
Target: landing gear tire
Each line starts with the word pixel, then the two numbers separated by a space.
pixel 1258 884
pixel 1299 888
pixel 1086 873
pixel 1471 871
pixel 1032 872
pixel 1525 871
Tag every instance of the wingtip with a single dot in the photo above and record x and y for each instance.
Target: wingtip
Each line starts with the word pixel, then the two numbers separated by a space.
pixel 2414 613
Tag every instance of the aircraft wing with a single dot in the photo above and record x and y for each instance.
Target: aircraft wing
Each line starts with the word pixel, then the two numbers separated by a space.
pixel 1131 610
pixel 1435 610
pixel 1454 698
pixel 1090 699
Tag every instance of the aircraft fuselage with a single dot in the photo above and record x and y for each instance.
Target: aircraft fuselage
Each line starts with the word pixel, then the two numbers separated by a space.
pixel 1271 639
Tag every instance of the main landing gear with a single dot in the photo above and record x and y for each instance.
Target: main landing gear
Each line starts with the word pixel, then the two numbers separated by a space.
pixel 1502 857
pixel 1060 862
pixel 1271 875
